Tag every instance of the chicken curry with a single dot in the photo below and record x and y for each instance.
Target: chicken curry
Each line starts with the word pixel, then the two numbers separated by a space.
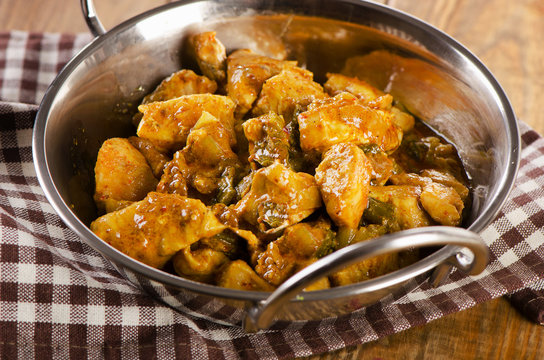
pixel 247 172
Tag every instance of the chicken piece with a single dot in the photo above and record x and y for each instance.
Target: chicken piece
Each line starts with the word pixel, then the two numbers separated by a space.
pixel 291 89
pixel 421 152
pixel 199 265
pixel 209 151
pixel 402 119
pixel 344 118
pixel 111 205
pixel 446 179
pixel 246 73
pixel 382 165
pixel 168 123
pixel 378 265
pixel 274 266
pixel 183 82
pixel 343 177
pixel 175 176
pixel 203 161
pixel 233 243
pixel 443 204
pixel 211 55
pixel 225 214
pixel 365 270
pixel 279 197
pixel 309 240
pixel 338 83
pixel 385 222
pixel 298 244
pixel 121 175
pixel 239 275
pixel 370 96
pixel 405 198
pixel 347 236
pixel 156 159
pixel 268 142
pixel 155 228
pixel 320 284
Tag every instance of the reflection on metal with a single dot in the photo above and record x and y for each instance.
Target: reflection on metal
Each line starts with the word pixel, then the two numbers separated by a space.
pixel 261 316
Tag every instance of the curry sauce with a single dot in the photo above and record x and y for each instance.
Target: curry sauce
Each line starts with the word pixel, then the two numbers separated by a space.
pixel 246 170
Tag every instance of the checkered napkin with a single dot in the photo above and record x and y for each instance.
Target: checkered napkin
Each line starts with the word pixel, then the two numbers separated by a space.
pixel 60 299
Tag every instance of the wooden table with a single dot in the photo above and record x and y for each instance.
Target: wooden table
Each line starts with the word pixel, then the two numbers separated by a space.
pixel 507 36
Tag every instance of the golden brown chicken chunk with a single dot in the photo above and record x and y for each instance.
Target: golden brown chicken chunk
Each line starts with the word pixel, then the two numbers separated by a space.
pixel 239 275
pixel 364 270
pixel 183 82
pixel 200 264
pixel 402 119
pixel 343 177
pixel 155 228
pixel 121 175
pixel 382 165
pixel 282 94
pixel 203 260
pixel 338 83
pixel 210 55
pixel 378 265
pixel 155 158
pixel 405 199
pixel 167 123
pixel 246 73
pixel 375 266
pixel 203 161
pixel 268 141
pixel 443 203
pixel 345 118
pixel 446 179
pixel 279 197
pixel 419 152
pixel 297 247
pixel 319 284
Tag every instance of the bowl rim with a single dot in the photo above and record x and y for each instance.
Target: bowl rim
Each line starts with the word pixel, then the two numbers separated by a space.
pixel 117 258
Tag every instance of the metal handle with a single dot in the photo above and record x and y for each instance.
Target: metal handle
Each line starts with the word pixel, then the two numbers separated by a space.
pixel 93 23
pixel 261 315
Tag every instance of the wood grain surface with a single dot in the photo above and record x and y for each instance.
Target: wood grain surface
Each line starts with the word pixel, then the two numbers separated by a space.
pixel 507 36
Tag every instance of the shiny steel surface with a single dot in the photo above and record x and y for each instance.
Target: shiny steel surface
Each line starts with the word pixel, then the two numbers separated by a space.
pixel 261 316
pixel 92 20
pixel 93 97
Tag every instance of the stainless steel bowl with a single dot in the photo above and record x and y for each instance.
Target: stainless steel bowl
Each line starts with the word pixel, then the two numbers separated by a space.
pixel 434 76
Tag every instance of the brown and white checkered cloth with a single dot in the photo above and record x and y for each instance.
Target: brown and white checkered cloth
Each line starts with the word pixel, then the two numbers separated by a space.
pixel 60 299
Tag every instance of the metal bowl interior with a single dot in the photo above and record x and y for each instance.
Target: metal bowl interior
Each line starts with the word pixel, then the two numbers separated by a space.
pixel 435 77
